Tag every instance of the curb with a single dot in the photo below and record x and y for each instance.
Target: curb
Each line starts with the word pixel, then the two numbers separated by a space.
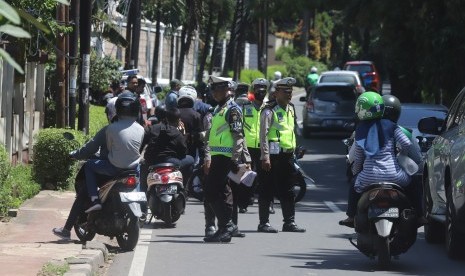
pixel 88 262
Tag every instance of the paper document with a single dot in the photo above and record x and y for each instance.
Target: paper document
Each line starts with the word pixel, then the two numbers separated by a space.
pixel 243 176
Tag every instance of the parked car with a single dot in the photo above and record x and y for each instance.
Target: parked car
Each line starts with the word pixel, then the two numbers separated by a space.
pixel 367 70
pixel 444 178
pixel 352 77
pixel 412 113
pixel 329 107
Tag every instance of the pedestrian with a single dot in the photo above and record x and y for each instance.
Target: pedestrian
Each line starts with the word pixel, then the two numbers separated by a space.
pixel 278 142
pixel 224 151
pixel 171 99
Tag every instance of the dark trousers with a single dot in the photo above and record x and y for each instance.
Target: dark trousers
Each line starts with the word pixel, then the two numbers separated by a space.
pixel 218 191
pixel 78 206
pixel 277 182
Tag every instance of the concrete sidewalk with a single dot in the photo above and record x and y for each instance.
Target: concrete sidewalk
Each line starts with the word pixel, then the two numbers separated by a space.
pixel 27 242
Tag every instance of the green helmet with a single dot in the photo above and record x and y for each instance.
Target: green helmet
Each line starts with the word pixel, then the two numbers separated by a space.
pixel 369 106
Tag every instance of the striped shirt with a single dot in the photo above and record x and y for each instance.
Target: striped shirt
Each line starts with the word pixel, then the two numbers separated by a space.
pixel 383 166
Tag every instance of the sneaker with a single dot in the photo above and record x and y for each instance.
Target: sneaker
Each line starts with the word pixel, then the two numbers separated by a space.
pixel 271 211
pixel 292 227
pixel 62 233
pixel 96 205
pixel 266 228
pixel 242 210
pixel 210 231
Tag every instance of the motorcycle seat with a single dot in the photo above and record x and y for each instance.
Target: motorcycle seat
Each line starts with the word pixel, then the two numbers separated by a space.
pixel 125 173
pixel 163 165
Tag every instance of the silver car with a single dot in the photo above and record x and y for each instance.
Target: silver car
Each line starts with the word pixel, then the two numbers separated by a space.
pixel 352 77
pixel 444 178
pixel 329 107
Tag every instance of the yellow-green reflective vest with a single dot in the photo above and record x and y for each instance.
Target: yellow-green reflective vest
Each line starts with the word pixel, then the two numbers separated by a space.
pixel 282 129
pixel 251 125
pixel 220 139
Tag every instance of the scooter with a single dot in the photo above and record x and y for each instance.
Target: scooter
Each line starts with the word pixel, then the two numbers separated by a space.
pixel 120 213
pixel 385 223
pixel 166 194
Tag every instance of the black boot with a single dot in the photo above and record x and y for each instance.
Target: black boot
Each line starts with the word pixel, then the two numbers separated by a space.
pixel 237 233
pixel 288 209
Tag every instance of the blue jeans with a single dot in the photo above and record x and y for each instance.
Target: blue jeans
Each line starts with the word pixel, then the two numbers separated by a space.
pixel 95 167
pixel 186 165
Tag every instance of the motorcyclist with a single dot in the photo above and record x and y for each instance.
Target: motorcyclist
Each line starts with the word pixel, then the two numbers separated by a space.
pixel 312 79
pixel 375 150
pixel 166 143
pixel 118 145
pixel 192 121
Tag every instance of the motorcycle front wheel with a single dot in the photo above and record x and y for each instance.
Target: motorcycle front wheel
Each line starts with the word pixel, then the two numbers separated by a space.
pixel 300 188
pixel 128 240
pixel 82 231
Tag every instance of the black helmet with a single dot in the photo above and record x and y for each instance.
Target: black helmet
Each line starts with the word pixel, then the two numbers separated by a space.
pixel 160 112
pixel 392 108
pixel 127 105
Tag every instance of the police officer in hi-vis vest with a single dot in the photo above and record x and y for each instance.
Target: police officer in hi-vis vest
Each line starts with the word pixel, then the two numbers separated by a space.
pixel 278 142
pixel 224 151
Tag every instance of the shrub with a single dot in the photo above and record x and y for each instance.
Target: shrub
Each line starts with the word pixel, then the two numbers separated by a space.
pixel 4 164
pixel 52 167
pixel 248 75
pixel 299 68
pixel 18 187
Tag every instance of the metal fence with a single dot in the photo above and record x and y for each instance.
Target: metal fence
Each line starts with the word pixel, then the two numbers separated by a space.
pixel 21 110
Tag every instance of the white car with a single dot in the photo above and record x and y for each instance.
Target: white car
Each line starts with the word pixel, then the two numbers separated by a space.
pixel 352 77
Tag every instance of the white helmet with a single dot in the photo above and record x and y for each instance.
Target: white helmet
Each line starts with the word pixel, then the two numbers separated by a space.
pixel 187 92
pixel 313 69
pixel 277 75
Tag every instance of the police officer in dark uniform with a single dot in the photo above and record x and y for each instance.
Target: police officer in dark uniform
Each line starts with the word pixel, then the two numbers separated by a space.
pixel 224 151
pixel 278 142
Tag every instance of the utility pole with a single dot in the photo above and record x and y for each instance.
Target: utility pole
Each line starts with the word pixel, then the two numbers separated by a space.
pixel 67 68
pixel 85 29
pixel 60 71
pixel 135 32
pixel 73 68
pixel 127 54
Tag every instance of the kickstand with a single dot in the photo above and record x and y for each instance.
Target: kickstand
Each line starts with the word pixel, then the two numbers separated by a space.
pixel 150 219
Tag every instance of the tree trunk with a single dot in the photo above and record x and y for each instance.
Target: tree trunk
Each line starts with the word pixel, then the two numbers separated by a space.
pixel 215 48
pixel 231 48
pixel 156 48
pixel 206 48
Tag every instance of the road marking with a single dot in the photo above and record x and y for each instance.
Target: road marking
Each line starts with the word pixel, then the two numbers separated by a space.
pixel 332 206
pixel 140 253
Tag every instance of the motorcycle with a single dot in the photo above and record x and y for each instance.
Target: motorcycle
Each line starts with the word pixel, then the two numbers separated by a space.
pixel 300 186
pixel 166 194
pixel 385 223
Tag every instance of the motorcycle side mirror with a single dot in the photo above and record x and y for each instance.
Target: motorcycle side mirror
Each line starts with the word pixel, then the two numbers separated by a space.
pixel 68 136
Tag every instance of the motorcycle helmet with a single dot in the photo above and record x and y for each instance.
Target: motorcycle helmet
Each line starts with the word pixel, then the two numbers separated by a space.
pixel 187 96
pixel 259 88
pixel 392 108
pixel 127 105
pixel 160 112
pixel 369 106
pixel 313 69
pixel 277 75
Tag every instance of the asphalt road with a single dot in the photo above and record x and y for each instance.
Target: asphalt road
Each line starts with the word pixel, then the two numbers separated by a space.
pixel 323 250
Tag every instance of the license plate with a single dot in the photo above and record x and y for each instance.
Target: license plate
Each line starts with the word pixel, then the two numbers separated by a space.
pixel 330 123
pixel 392 212
pixel 167 189
pixel 133 197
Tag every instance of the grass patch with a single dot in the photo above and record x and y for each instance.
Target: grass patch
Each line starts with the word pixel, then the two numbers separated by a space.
pixel 54 269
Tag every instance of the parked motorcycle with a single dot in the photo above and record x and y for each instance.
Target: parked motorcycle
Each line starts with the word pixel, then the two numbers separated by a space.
pixel 385 223
pixel 300 186
pixel 166 194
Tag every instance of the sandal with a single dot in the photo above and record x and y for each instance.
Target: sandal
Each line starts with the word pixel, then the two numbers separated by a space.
pixel 349 222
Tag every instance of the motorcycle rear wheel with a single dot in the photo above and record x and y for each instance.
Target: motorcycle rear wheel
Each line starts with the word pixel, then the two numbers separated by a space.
pixel 384 253
pixel 80 228
pixel 128 241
